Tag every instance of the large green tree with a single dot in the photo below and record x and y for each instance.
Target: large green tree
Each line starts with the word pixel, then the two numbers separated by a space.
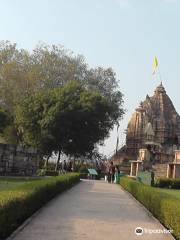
pixel 28 78
pixel 48 67
pixel 70 119
pixel 81 118
pixel 30 117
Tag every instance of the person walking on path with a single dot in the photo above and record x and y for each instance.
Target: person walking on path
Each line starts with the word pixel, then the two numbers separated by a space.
pixel 116 175
pixel 60 169
pixel 64 167
pixel 112 172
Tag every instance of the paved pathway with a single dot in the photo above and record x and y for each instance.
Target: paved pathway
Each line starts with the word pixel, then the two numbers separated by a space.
pixel 92 210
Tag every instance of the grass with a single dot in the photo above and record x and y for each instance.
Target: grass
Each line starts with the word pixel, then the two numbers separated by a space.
pixel 10 183
pixel 5 185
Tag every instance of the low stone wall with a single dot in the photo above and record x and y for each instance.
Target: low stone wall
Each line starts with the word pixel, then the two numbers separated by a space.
pixel 177 171
pixel 18 160
pixel 160 170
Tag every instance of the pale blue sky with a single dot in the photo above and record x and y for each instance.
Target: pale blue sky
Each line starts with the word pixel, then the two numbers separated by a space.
pixel 123 34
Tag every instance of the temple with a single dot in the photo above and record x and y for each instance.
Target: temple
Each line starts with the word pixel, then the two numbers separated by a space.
pixel 155 124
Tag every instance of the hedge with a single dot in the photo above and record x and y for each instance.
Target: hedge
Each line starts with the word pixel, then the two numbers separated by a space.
pixel 51 173
pixel 20 203
pixel 162 205
pixel 168 183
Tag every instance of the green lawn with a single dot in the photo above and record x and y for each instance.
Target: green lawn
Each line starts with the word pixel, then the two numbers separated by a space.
pixel 11 183
pixel 173 192
pixel 5 185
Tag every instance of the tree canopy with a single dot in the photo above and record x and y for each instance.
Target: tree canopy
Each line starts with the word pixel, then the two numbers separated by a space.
pixel 55 100
pixel 71 119
pixel 4 119
pixel 48 67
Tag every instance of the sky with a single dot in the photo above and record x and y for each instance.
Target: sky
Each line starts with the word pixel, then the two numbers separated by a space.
pixel 122 34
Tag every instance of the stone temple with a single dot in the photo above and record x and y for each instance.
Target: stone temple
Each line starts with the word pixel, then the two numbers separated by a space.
pixel 155 123
pixel 152 138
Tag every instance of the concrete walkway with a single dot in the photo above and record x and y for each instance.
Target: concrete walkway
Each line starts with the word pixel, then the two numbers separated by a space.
pixel 92 210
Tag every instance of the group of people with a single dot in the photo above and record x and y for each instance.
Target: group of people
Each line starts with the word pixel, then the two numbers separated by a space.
pixel 112 173
pixel 65 167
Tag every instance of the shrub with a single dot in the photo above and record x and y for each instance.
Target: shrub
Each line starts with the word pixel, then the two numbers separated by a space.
pixel 51 173
pixel 175 183
pixel 23 201
pixel 83 169
pixel 83 175
pixel 168 183
pixel 162 205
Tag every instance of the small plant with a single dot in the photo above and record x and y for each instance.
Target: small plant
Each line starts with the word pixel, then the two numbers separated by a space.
pixel 41 172
pixel 168 183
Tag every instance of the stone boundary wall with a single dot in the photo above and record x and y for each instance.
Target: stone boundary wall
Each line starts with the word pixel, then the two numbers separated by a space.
pixel 18 160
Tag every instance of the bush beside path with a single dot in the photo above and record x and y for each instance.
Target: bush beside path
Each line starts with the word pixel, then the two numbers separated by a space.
pixel 20 202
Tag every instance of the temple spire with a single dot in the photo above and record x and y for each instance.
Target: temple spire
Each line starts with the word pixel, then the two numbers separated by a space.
pixel 160 89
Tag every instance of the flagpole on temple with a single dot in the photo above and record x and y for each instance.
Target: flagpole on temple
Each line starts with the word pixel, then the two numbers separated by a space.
pixel 156 69
pixel 159 73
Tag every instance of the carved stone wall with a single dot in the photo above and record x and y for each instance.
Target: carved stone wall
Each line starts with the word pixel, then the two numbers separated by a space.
pixel 17 160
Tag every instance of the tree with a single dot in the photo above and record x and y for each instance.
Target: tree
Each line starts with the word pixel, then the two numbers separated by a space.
pixel 48 67
pixel 30 80
pixel 30 116
pixel 80 119
pixel 14 67
pixel 4 120
pixel 70 119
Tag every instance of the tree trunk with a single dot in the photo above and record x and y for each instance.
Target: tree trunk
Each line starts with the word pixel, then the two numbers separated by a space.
pixel 57 163
pixel 47 160
pixel 74 165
